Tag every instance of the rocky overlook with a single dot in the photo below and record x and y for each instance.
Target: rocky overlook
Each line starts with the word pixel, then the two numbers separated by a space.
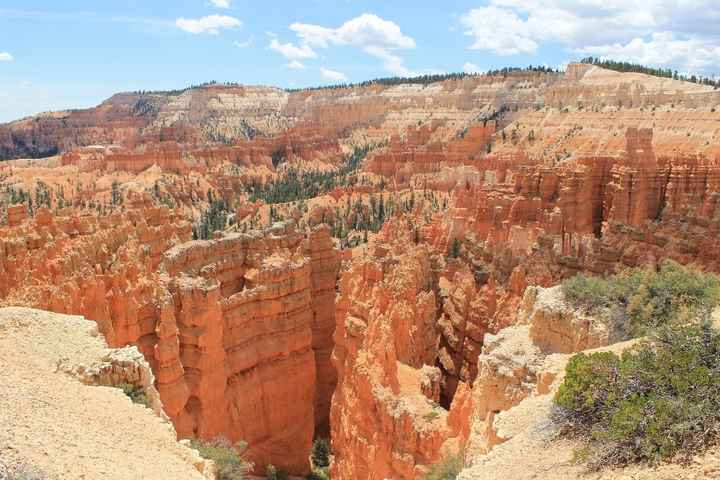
pixel 375 265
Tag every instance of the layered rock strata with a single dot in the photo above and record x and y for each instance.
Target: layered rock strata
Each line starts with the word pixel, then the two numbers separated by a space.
pixel 224 323
pixel 386 418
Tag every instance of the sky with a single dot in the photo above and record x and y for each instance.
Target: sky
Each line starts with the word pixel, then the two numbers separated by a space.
pixel 59 54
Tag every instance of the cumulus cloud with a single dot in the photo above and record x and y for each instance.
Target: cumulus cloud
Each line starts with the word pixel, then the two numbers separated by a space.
pixel 501 31
pixel 470 68
pixel 295 65
pixel 221 3
pixel 211 24
pixel 292 51
pixel 6 57
pixel 602 27
pixel 663 49
pixel 366 30
pixel 371 34
pixel 332 75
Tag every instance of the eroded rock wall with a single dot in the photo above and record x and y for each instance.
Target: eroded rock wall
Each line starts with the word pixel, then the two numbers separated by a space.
pixel 386 418
pixel 238 330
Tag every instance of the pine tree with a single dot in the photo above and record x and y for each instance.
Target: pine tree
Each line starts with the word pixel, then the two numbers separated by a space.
pixel 115 193
pixel 455 249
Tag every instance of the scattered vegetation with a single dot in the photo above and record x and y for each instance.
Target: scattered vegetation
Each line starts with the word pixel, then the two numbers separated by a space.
pixel 320 458
pixel 390 81
pixel 293 186
pixel 455 248
pixel 317 475
pixel 657 72
pixel 636 302
pixel 431 416
pixel 180 91
pixel 42 197
pixel 229 465
pixel 26 146
pixel 427 79
pixel 143 107
pixel 211 220
pixel 273 473
pixel 447 469
pixel 162 197
pixel 116 196
pixel 136 393
pixel 656 402
pixel 278 157
pixel 321 453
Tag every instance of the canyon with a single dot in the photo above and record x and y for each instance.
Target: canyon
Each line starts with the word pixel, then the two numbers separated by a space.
pixel 407 309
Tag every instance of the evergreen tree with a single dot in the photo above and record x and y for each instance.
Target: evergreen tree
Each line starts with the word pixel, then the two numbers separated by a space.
pixel 455 248
pixel 115 193
pixel 321 453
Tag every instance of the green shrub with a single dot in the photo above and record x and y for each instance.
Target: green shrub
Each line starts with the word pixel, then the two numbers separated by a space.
pixel 590 293
pixel 228 464
pixel 636 302
pixel 318 475
pixel 447 469
pixel 137 394
pixel 589 384
pixel 273 473
pixel 658 401
pixel 431 416
pixel 321 453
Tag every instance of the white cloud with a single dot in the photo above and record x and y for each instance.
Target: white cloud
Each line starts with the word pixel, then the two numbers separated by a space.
pixel 392 63
pixel 295 65
pixel 210 24
pixel 662 49
pixel 6 57
pixel 616 27
pixel 366 30
pixel 470 68
pixel 332 75
pixel 512 38
pixel 247 43
pixel 373 35
pixel 292 51
pixel 221 3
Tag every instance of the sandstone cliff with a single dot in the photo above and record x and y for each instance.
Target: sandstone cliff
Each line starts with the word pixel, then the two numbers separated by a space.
pixel 222 323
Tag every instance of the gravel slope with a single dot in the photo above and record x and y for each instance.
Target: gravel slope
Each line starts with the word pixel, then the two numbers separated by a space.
pixel 62 429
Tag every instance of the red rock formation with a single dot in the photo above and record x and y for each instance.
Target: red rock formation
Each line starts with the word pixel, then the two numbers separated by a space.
pixel 417 155
pixel 223 323
pixel 467 315
pixel 385 417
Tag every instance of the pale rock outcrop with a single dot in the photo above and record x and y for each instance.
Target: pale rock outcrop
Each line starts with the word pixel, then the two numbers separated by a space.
pixel 520 365
pixel 60 427
pixel 507 372
pixel 528 446
pixel 558 327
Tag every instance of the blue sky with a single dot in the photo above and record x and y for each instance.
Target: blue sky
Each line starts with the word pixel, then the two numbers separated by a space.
pixel 75 53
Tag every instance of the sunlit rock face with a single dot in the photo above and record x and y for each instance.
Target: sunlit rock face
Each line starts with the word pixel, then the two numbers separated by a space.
pixel 224 323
